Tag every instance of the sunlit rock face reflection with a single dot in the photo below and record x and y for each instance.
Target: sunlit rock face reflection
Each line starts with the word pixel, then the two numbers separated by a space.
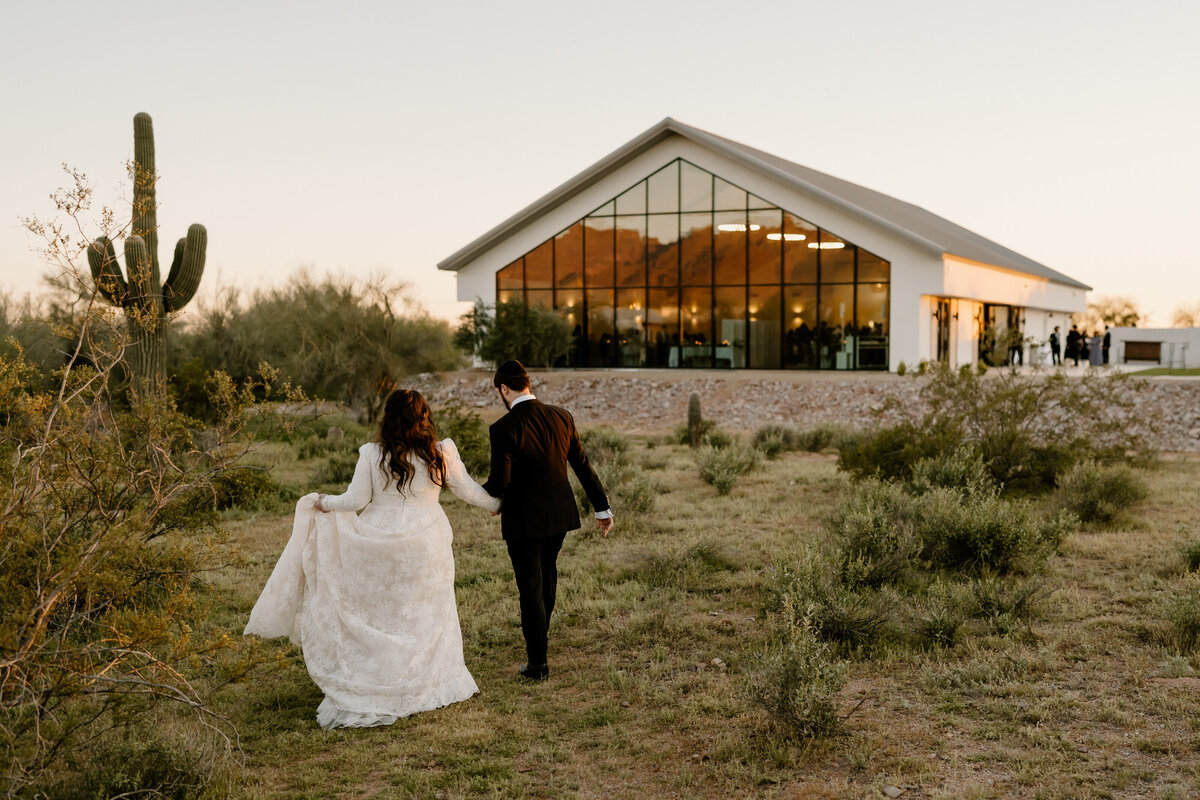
pixel 685 269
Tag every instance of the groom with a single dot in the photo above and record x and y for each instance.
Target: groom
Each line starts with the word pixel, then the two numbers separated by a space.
pixel 531 448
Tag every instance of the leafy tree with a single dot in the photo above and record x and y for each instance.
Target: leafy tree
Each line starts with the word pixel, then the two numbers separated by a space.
pixel 335 338
pixel 1118 312
pixel 1186 316
pixel 533 335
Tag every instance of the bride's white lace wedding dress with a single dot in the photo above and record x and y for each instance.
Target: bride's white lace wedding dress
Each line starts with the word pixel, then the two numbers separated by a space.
pixel 370 598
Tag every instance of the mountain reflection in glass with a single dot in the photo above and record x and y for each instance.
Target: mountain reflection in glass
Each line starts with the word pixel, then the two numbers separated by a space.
pixel 685 269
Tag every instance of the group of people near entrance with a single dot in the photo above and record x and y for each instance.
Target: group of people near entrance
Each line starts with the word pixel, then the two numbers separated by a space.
pixel 1079 346
pixel 369 596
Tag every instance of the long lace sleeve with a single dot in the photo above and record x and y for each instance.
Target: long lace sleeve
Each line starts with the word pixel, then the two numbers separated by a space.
pixel 461 483
pixel 358 494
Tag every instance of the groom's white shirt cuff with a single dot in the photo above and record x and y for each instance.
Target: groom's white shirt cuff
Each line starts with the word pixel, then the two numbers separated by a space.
pixel 606 513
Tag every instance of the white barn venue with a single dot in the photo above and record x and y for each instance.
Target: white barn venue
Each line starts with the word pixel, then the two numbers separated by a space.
pixel 686 249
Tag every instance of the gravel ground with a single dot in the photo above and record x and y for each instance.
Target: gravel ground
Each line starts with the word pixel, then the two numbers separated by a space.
pixel 655 401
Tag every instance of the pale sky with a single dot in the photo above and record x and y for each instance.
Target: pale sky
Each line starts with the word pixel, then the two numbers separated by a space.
pixel 379 137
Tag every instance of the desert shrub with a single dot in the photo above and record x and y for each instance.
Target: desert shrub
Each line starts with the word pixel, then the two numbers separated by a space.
pixel 337 338
pixel 854 620
pixel 1183 612
pixel 984 531
pixel 721 467
pixel 337 470
pixel 940 616
pixel 797 680
pixel 151 768
pixel 873 528
pixel 684 568
pixel 962 469
pixel 1101 494
pixel 681 435
pixel 901 369
pixel 244 487
pixel 770 443
pixel 463 425
pixel 604 444
pixel 1190 552
pixel 638 492
pixel 1026 427
pixel 1003 601
pixel 774 438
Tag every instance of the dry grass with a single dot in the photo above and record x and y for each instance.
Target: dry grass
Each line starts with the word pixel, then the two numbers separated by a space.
pixel 1090 700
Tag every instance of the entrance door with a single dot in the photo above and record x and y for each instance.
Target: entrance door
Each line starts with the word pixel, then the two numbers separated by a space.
pixel 943 330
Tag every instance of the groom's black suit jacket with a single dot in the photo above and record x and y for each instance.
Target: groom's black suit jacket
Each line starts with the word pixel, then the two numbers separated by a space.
pixel 532 445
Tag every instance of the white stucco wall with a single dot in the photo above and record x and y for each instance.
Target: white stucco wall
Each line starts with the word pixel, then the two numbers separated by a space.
pixel 917 273
pixel 1180 346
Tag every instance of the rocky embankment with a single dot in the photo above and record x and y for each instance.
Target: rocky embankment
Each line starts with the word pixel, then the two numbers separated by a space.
pixel 656 402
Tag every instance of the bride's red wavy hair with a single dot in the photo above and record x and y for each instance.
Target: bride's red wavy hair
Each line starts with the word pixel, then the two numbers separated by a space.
pixel 407 428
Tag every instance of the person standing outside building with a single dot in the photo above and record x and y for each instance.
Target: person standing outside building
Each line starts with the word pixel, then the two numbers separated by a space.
pixel 1107 343
pixel 1055 347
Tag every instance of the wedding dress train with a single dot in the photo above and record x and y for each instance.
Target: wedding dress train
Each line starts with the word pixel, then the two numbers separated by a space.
pixel 370 598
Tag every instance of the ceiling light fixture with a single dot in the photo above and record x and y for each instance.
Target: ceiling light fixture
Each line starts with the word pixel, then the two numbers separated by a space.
pixel 787 237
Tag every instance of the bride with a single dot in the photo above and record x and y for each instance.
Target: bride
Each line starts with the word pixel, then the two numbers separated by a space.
pixel 370 598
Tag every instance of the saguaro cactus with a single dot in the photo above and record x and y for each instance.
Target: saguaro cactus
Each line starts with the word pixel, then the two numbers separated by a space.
pixel 145 298
pixel 695 423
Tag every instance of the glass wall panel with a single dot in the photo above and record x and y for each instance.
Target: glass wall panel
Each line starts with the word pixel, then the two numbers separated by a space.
pixel 631 251
pixel 727 197
pixel 663 189
pixel 730 318
pixel 835 332
pixel 539 297
pixel 837 259
pixel 765 246
pixel 601 339
pixel 799 261
pixel 695 249
pixel 511 277
pixel 800 348
pixel 633 201
pixel 598 251
pixel 872 306
pixel 695 188
pixel 696 311
pixel 765 315
pixel 606 210
pixel 729 247
pixel 539 266
pixel 507 295
pixel 568 258
pixel 872 268
pixel 631 327
pixel 663 249
pixel 662 328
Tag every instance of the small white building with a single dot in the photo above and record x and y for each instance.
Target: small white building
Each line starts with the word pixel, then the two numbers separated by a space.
pixel 685 249
pixel 1175 348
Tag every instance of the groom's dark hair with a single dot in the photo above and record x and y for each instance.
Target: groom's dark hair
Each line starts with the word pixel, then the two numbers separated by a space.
pixel 512 375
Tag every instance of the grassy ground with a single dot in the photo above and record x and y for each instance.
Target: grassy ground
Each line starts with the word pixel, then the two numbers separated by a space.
pixel 1087 702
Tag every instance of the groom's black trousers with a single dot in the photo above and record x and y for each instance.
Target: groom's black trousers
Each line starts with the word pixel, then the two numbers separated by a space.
pixel 535 564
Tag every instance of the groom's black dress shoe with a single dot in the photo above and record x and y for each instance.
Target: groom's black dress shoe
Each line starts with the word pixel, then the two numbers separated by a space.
pixel 534 672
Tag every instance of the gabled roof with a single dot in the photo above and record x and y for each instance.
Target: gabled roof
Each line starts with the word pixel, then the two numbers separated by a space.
pixel 924 229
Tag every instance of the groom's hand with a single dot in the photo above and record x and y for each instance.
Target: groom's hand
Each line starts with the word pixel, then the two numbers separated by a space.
pixel 604 526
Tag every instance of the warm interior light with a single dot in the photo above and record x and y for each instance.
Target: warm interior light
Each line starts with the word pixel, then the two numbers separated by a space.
pixel 753 309
pixel 797 309
pixel 787 237
pixel 826 245
pixel 737 227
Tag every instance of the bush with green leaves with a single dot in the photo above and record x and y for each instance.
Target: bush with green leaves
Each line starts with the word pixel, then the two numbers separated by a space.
pixel 940 616
pixel 855 619
pixel 798 679
pixel 681 434
pixel 604 444
pixel 1004 602
pixel 534 335
pixel 1190 552
pixel 1100 493
pixel 470 434
pixel 774 438
pixel 722 466
pixel 1028 428
pixel 630 489
pixel 684 568
pixel 336 338
pixel 961 469
pixel 108 616
pixel 1183 612
pixel 874 531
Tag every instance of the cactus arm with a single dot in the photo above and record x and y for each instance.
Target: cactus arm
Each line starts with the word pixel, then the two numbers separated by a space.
pixel 145 291
pixel 106 272
pixel 186 269
pixel 145 205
